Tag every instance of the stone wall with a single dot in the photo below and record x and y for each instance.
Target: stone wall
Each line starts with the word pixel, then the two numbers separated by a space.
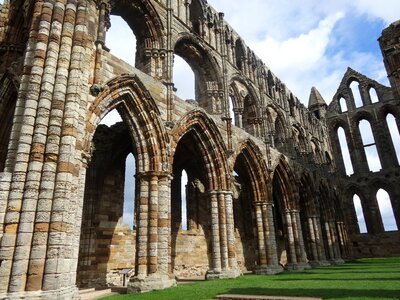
pixel 376 245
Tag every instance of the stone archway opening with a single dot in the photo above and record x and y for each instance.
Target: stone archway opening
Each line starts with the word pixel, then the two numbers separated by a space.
pixel 108 234
pixel 244 218
pixel 190 211
pixel 280 228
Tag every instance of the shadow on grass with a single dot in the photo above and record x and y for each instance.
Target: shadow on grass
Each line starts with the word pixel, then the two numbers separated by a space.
pixel 323 293
pixel 396 279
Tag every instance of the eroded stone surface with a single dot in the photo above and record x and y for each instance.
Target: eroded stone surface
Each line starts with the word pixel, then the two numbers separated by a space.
pixel 266 184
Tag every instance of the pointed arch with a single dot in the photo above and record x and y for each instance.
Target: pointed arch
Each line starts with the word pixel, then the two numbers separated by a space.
pixel 197 11
pixel 144 21
pixel 210 144
pixel 246 104
pixel 207 73
pixel 327 207
pixel 308 203
pixel 137 107
pixel 355 91
pixel 284 175
pixel 240 51
pixel 256 168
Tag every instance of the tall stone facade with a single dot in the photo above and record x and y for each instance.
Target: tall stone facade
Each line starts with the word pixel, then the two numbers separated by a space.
pixel 266 184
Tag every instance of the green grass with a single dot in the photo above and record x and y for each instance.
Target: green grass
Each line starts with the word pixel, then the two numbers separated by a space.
pixel 377 278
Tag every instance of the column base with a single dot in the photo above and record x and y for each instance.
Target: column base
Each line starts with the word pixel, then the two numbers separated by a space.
pixel 223 274
pixel 297 266
pixel 69 293
pixel 268 269
pixel 150 283
pixel 319 263
pixel 337 261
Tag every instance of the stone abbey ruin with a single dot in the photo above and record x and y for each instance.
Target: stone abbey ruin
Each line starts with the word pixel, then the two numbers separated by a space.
pixel 267 187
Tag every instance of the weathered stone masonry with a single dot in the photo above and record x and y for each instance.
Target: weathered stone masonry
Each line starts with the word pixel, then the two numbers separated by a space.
pixel 260 194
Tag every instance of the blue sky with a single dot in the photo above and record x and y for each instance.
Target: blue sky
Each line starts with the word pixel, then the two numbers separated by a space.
pixel 311 43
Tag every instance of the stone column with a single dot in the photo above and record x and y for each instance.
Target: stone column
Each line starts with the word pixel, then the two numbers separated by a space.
pixel 153 234
pixel 270 238
pixel 301 250
pixel 164 224
pixel 216 250
pixel 262 254
pixel 272 265
pixel 320 242
pixel 222 231
pixel 313 242
pixel 153 224
pixel 335 237
pixel 329 241
pixel 292 259
pixel 230 227
pixel 44 255
pixel 142 230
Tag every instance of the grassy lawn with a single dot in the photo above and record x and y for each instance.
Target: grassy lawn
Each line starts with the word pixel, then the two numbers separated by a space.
pixel 377 278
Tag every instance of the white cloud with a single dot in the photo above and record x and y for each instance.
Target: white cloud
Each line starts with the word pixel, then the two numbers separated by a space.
pixel 300 61
pixel 387 10
pixel 293 39
pixel 111 118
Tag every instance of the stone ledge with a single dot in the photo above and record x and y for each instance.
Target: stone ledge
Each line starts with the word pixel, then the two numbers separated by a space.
pixel 150 283
pixel 223 274
pixel 69 293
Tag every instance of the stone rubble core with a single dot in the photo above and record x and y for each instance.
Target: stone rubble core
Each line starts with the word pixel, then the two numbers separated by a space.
pixel 266 184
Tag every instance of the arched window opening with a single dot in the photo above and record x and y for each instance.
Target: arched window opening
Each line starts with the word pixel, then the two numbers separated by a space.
pixel 243 214
pixel 360 214
pixel 129 191
pixel 345 151
pixel 373 95
pixel 232 113
pixel 184 182
pixel 196 15
pixel 121 40
pixel 108 207
pixel 206 75
pixel 386 210
pixel 240 54
pixel 343 105
pixel 111 118
pixel 355 89
pixel 184 79
pixel 369 145
pixel 394 133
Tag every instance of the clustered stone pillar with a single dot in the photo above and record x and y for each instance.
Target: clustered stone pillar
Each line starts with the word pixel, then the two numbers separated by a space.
pixel 153 233
pixel 42 217
pixel 297 256
pixel 223 236
pixel 332 241
pixel 267 248
pixel 318 257
pixel 344 239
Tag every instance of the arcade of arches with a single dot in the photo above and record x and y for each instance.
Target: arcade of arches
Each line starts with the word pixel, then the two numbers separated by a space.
pixel 243 178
